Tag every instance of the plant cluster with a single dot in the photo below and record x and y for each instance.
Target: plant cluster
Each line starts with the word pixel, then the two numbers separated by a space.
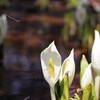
pixel 60 75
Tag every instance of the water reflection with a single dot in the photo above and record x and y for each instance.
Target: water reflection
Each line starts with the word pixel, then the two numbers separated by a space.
pixel 23 76
pixel 14 57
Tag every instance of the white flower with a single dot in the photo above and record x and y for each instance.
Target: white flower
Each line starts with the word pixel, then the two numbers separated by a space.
pixel 96 53
pixel 3 27
pixel 80 15
pixel 87 77
pixel 95 58
pixel 52 69
pixel 68 66
pixel 51 65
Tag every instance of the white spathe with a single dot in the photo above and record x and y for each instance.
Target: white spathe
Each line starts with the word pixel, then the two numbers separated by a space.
pixel 95 59
pixel 3 27
pixel 52 69
pixel 51 54
pixel 87 77
pixel 68 67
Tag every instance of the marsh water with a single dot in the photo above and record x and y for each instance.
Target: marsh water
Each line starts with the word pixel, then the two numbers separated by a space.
pixel 30 32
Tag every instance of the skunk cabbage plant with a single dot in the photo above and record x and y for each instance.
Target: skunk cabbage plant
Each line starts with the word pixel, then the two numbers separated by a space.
pixel 51 66
pixel 53 71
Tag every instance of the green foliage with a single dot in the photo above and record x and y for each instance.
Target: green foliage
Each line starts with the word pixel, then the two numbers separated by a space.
pixel 89 90
pixel 65 32
pixel 86 92
pixel 69 20
pixel 69 17
pixel 65 88
pixel 44 4
pixel 87 31
pixel 72 3
pixel 76 97
pixel 98 27
pixel 4 2
pixel 62 89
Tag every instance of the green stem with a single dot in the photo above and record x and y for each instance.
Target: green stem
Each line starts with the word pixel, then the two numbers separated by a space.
pixel 86 92
pixel 52 92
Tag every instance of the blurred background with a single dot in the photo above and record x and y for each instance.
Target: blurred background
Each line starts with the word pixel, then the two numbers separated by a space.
pixel 32 26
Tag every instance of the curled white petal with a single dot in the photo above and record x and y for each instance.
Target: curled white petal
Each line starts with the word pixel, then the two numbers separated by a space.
pixel 51 52
pixel 70 67
pixel 87 77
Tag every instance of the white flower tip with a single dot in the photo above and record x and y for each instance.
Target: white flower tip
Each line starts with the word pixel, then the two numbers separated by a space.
pixel 3 16
pixel 52 44
pixel 96 34
pixel 83 56
pixel 72 53
pixel 3 22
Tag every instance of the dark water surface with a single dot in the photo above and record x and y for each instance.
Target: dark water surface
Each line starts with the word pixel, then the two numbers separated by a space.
pixel 20 74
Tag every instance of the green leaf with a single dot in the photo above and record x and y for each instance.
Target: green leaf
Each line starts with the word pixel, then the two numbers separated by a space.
pixel 73 3
pixel 64 88
pixel 87 32
pixel 4 2
pixel 87 92
pixel 65 32
pixel 76 97
pixel 98 27
pixel 93 94
pixel 69 17
pixel 57 91
pixel 44 4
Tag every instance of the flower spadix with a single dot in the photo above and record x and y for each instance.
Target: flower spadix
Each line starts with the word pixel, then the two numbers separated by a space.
pixel 51 65
pixel 3 27
pixel 68 67
pixel 96 62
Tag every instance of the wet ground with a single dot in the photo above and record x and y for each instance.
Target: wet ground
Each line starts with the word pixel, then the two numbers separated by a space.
pixel 30 31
